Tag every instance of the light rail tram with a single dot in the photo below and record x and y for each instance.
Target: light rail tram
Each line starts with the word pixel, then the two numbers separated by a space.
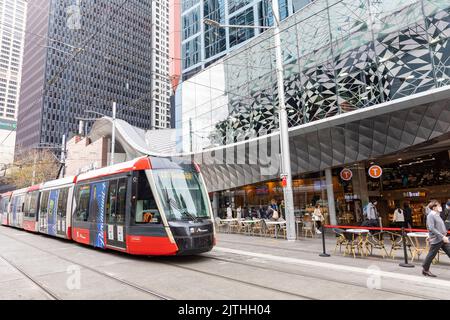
pixel 147 206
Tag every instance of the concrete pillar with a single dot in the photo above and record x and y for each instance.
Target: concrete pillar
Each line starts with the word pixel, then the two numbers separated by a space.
pixel 362 190
pixel 330 196
pixel 215 204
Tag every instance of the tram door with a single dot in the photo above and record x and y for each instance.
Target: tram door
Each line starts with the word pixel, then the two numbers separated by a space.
pixel 116 213
pixel 97 213
pixel 52 212
pixel 62 212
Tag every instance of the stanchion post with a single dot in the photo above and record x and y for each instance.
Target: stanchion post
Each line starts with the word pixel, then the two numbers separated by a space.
pixel 405 253
pixel 324 253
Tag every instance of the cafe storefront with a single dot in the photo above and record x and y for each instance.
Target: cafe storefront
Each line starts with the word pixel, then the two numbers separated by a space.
pixel 413 180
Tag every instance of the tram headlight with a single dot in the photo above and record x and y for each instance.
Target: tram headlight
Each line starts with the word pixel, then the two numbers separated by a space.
pixel 192 230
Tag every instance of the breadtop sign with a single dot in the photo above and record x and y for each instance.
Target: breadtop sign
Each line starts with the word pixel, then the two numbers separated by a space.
pixel 8 124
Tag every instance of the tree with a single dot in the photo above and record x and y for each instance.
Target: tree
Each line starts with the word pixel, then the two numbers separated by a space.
pixel 42 162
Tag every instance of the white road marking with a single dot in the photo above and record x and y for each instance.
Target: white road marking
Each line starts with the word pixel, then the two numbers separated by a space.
pixel 399 276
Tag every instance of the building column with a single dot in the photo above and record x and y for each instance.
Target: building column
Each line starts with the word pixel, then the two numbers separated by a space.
pixel 361 182
pixel 330 196
pixel 215 204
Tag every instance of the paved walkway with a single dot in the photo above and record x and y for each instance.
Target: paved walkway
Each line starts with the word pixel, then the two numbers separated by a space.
pixel 239 267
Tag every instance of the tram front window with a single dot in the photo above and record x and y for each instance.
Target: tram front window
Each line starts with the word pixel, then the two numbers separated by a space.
pixel 181 194
pixel 146 208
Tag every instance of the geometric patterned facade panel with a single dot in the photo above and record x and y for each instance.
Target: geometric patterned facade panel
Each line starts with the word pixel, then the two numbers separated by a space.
pixel 339 56
pixel 339 145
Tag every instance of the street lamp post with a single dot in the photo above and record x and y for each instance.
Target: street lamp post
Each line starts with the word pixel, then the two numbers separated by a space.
pixel 282 115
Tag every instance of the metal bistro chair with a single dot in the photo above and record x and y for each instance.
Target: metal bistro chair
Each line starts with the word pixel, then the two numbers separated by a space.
pixel 258 228
pixel 233 226
pixel 351 243
pixel 308 227
pixel 376 241
pixel 220 225
pixel 269 230
pixel 436 259
pixel 340 239
pixel 397 243
pixel 419 245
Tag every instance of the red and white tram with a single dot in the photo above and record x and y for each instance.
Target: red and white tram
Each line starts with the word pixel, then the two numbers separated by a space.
pixel 147 206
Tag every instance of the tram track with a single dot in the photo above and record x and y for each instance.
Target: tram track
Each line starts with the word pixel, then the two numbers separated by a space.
pixel 273 269
pixel 117 279
pixel 239 281
pixel 52 295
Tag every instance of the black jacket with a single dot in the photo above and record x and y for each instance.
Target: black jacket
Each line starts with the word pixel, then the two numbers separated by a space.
pixel 445 214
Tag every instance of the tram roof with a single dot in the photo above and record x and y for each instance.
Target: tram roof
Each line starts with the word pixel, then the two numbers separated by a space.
pixel 58 182
pixel 141 163
pixel 19 191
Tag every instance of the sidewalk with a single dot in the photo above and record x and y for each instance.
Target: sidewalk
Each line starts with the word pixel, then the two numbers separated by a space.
pixel 310 248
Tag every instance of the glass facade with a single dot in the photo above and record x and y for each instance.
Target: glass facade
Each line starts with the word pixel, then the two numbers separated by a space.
pixel 215 42
pixel 115 66
pixel 339 56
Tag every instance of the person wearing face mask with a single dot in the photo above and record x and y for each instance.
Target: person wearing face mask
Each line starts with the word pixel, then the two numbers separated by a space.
pixel 445 215
pixel 437 236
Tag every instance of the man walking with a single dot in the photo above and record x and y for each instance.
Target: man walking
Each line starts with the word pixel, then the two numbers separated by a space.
pixel 372 214
pixel 437 236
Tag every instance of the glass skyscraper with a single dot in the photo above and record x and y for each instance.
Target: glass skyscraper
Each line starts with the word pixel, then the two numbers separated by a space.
pixel 91 54
pixel 203 44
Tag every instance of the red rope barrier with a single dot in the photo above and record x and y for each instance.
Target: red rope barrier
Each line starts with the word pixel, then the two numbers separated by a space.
pixel 374 228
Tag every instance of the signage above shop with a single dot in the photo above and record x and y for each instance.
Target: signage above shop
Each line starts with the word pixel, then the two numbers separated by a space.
pixel 414 194
pixel 346 174
pixel 375 171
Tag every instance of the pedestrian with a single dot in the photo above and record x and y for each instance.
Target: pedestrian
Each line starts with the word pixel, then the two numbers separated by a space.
pixel 239 213
pixel 437 236
pixel 229 212
pixel 282 209
pixel 407 212
pixel 399 217
pixel 262 212
pixel 372 214
pixel 447 215
pixel 273 204
pixel 317 218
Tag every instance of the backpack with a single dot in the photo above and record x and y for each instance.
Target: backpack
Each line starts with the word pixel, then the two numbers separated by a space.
pixel 365 211
pixel 275 215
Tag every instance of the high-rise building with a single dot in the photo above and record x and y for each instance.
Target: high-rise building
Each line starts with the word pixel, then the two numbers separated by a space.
pixel 203 44
pixel 12 24
pixel 89 55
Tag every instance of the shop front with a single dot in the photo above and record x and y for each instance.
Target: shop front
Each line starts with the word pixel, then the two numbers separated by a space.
pixel 409 180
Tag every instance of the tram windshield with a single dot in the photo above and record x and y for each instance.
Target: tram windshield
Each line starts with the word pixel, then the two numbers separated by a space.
pixel 182 194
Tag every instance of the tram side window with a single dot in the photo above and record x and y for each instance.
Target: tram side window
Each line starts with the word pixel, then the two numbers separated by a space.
pixel 32 204
pixel 111 204
pixel 121 201
pixel 83 195
pixel 146 208
pixel 62 202
pixel 44 202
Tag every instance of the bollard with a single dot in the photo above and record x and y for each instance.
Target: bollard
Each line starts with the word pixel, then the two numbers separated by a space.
pixel 324 253
pixel 405 253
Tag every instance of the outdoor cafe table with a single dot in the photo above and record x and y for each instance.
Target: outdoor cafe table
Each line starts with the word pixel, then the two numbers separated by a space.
pixel 228 222
pixel 249 223
pixel 362 240
pixel 418 246
pixel 277 225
